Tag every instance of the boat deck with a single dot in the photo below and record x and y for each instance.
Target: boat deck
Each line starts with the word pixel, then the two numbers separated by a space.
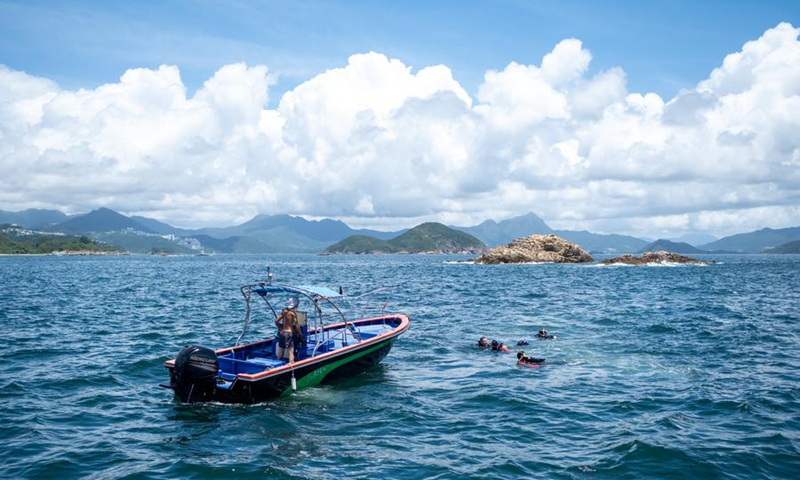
pixel 260 357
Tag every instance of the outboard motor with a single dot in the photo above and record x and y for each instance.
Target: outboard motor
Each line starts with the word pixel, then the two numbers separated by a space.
pixel 194 377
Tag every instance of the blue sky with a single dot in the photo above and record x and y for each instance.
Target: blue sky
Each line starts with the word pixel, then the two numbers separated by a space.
pixel 655 119
pixel 663 46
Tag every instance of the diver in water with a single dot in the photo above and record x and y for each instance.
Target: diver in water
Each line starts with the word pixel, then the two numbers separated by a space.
pixel 499 347
pixel 522 358
pixel 522 343
pixel 494 345
pixel 544 335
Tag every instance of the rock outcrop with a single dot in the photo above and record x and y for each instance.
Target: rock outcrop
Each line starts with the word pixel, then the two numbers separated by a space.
pixel 652 257
pixel 536 249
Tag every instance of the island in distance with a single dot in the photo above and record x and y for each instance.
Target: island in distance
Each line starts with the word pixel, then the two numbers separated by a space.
pixel 650 258
pixel 428 237
pixel 536 249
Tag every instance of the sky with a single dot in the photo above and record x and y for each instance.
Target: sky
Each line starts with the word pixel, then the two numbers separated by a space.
pixel 653 119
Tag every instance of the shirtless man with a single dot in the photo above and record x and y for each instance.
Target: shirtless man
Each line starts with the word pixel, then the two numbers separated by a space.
pixel 287 326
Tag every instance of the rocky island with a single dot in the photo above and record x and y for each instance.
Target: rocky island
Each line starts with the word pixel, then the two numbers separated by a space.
pixel 536 249
pixel 651 258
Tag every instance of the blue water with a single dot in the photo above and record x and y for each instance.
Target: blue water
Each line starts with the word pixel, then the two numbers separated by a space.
pixel 657 372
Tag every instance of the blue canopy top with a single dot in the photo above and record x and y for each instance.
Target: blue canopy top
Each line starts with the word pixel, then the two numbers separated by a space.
pixel 304 289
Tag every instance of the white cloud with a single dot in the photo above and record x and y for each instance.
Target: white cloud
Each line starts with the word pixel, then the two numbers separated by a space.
pixel 567 62
pixel 518 98
pixel 378 143
pixel 591 98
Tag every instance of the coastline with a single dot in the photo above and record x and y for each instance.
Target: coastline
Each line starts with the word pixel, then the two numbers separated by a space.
pixel 67 253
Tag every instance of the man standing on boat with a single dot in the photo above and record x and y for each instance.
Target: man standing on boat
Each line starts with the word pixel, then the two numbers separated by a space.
pixel 287 325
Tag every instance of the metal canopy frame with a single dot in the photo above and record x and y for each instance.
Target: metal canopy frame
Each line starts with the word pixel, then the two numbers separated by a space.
pixel 316 296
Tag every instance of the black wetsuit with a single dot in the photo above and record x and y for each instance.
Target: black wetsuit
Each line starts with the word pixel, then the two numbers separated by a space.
pixel 531 360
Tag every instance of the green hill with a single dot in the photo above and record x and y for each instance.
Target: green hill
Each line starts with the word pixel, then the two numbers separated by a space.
pixel 15 240
pixel 425 238
pixel 435 237
pixel 791 247
pixel 360 244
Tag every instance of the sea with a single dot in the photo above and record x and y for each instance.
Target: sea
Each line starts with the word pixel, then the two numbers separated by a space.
pixel 668 371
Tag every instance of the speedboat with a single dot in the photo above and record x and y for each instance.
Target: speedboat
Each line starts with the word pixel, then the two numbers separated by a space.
pixel 337 339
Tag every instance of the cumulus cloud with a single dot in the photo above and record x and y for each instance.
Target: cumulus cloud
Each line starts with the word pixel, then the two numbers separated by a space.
pixel 379 143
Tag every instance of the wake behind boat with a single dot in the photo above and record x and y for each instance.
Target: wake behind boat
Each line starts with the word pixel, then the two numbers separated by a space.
pixel 333 342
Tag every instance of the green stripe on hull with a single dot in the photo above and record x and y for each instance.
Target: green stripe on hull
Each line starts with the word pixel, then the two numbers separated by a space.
pixel 312 379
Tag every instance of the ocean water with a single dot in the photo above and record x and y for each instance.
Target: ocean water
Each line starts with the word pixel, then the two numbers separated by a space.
pixel 657 372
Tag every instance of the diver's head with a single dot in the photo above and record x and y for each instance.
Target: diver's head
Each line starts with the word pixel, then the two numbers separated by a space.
pixel 520 354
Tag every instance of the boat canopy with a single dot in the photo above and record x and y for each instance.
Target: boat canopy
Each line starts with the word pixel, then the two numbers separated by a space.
pixel 308 290
pixel 317 295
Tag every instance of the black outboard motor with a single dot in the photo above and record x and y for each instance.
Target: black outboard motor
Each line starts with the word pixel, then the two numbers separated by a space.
pixel 194 377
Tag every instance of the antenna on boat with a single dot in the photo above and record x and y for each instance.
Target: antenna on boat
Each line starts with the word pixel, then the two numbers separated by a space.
pixel 269 276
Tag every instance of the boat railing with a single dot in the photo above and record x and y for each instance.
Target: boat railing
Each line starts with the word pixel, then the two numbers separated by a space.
pixel 323 340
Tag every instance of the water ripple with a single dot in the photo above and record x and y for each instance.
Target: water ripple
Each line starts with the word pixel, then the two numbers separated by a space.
pixel 656 372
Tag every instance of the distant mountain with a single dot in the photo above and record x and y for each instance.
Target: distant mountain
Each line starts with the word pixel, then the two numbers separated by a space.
pixel 32 217
pixel 160 227
pixel 501 233
pixel 236 244
pixel 662 245
pixel 425 238
pixel 134 243
pixel 288 234
pixel 323 230
pixel 791 247
pixel 262 234
pixel 601 243
pixel 754 242
pixel 495 234
pixel 101 220
pixel 695 239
